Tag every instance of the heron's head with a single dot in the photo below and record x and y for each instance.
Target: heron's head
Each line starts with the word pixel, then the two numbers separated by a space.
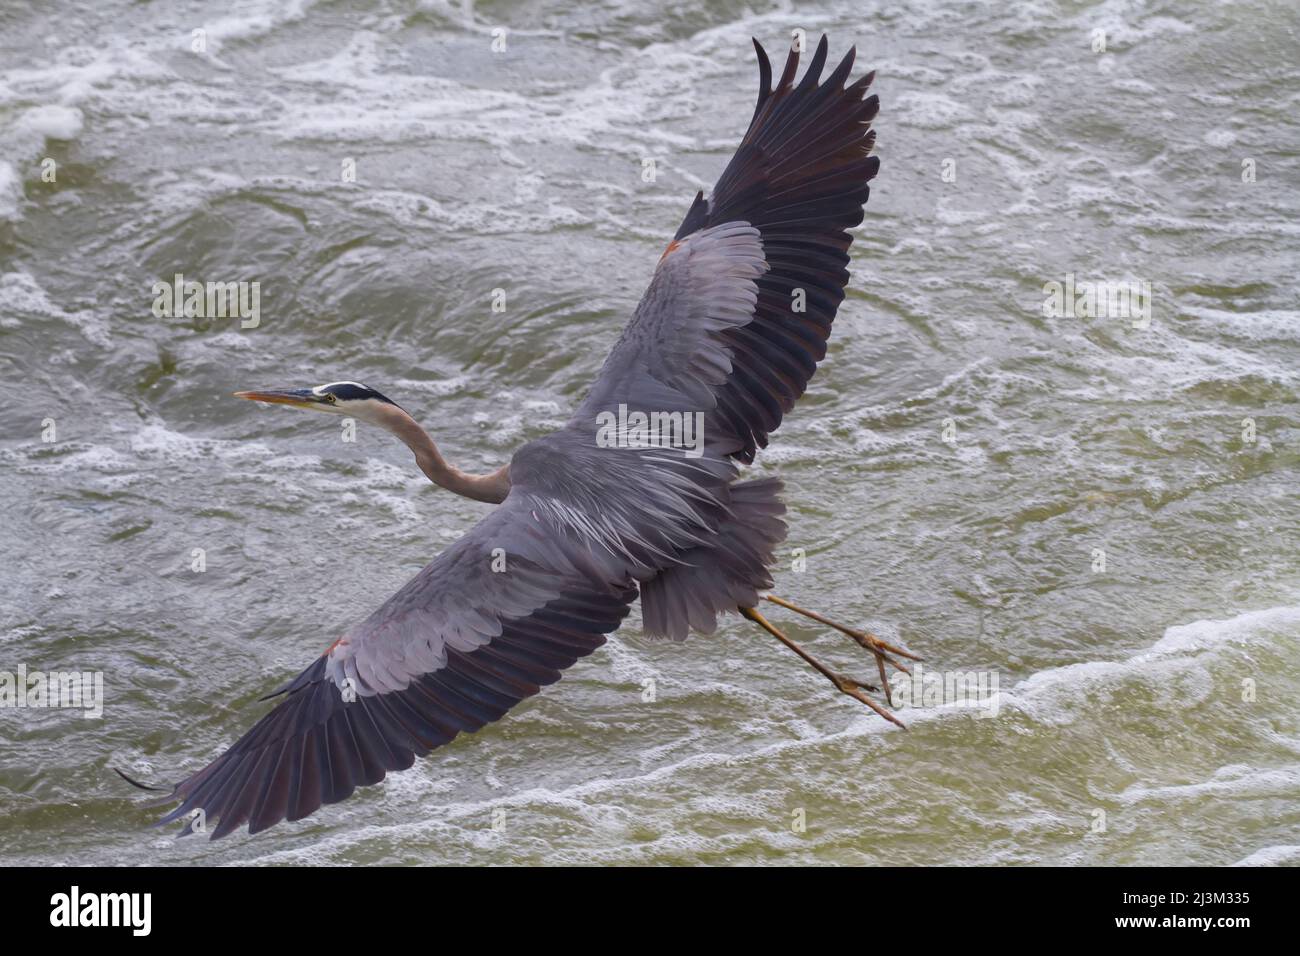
pixel 345 398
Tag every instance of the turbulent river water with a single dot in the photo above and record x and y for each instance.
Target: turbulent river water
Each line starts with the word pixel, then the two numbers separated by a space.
pixel 1095 509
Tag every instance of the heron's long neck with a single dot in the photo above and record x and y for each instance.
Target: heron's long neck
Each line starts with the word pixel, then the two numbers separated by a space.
pixel 491 487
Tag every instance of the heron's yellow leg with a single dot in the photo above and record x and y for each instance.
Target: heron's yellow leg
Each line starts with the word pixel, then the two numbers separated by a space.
pixel 881 649
pixel 845 685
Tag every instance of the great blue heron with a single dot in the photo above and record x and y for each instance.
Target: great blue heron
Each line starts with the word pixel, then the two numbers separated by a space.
pixel 728 333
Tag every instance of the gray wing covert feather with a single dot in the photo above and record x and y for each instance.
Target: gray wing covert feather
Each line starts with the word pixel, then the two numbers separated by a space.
pixel 671 356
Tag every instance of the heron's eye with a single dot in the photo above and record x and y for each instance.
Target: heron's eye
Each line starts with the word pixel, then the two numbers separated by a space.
pixel 331 398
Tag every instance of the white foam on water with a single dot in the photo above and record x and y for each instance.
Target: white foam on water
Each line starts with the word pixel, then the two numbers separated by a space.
pixel 253 18
pixel 1050 696
pixel 1272 856
pixel 366 100
pixel 46 101
pixel 24 143
pixel 395 105
pixel 22 298
pixel 51 122
pixel 1128 23
pixel 1255 326
pixel 402 509
pixel 11 191
pixel 1054 696
pixel 119 77
pixel 930 110
pixel 1235 782
pixel 629 665
pixel 156 441
pixel 1247 628
pixel 594 802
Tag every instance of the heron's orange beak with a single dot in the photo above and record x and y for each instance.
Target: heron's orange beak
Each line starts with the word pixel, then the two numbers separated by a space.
pixel 299 397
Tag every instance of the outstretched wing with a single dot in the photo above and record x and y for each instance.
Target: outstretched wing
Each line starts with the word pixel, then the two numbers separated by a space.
pixel 489 622
pixel 737 315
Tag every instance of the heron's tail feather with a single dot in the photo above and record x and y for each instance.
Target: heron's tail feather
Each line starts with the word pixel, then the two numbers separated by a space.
pixel 726 574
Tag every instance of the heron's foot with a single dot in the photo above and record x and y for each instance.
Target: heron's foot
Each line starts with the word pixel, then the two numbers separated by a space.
pixel 849 686
pixel 883 651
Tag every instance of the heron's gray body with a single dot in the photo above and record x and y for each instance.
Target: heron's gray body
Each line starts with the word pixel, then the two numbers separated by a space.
pixel 585 516
pixel 731 329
